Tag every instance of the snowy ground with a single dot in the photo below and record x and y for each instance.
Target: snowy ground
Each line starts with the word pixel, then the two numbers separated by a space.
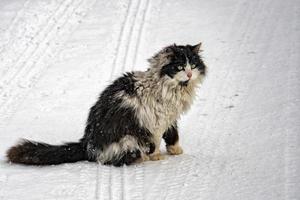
pixel 241 137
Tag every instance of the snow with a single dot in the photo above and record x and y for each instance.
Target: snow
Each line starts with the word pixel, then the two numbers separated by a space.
pixel 240 139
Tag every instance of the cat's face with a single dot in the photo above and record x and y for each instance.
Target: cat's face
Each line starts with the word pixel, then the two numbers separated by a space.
pixel 184 64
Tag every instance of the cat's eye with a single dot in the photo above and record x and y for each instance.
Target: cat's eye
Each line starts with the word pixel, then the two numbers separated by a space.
pixel 193 66
pixel 179 67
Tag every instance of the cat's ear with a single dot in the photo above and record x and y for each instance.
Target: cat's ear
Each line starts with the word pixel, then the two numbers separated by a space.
pixel 169 49
pixel 197 48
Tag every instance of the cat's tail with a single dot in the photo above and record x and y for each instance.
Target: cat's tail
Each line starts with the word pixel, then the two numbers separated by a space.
pixel 36 153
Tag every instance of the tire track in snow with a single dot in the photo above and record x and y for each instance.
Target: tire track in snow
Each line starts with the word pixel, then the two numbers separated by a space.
pixel 140 34
pixel 130 30
pixel 139 171
pixel 180 172
pixel 135 29
pixel 132 52
pixel 159 186
pixel 124 41
pixel 66 23
pixel 139 175
pixel 10 87
pixel 17 18
pixel 172 176
pixel 97 182
pixel 46 45
pixel 16 64
pixel 123 182
pixel 129 37
pixel 121 38
pixel 16 72
pixel 100 191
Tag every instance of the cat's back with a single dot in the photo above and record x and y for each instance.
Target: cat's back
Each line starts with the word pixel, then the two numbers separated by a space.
pixel 110 99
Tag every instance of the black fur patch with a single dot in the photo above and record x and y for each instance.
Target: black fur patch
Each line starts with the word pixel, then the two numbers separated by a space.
pixel 126 83
pixel 35 153
pixel 171 135
pixel 109 121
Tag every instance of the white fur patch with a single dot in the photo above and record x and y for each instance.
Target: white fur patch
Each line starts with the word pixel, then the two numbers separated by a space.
pixel 118 149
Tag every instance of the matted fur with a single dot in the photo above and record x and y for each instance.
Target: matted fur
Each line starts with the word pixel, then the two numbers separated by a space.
pixel 159 101
pixel 131 115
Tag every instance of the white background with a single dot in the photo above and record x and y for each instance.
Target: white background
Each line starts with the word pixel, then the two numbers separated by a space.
pixel 240 139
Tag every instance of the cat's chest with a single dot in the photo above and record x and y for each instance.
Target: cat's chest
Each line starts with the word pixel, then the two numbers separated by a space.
pixel 157 115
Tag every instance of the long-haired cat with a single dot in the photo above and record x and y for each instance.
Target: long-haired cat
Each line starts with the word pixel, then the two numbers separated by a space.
pixel 131 116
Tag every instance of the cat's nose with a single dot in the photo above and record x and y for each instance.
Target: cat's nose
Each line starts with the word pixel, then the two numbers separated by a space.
pixel 189 74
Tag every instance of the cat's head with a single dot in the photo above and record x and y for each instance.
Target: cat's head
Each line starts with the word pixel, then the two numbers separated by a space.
pixel 180 64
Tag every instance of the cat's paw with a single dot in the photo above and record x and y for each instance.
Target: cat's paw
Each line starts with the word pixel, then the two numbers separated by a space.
pixel 174 149
pixel 156 156
pixel 143 158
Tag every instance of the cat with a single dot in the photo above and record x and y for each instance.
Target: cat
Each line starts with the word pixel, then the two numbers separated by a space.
pixel 132 115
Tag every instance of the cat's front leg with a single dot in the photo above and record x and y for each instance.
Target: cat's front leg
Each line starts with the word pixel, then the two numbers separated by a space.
pixel 155 154
pixel 172 141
